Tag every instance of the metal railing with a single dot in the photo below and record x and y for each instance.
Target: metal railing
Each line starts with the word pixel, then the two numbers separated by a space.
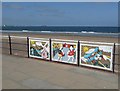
pixel 11 43
pixel 26 44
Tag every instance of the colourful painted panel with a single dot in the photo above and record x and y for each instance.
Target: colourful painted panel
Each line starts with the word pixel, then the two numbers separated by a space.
pixel 39 48
pixel 97 56
pixel 63 51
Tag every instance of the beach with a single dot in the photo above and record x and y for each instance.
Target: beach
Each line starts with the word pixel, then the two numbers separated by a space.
pixel 63 36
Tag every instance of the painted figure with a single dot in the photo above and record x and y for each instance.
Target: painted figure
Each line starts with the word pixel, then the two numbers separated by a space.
pixel 64 52
pixel 60 53
pixel 32 51
pixel 71 53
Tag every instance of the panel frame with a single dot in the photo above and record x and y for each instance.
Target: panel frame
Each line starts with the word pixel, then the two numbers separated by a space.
pixel 95 44
pixel 41 40
pixel 74 42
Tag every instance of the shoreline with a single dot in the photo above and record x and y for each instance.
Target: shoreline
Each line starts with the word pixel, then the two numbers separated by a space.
pixel 83 33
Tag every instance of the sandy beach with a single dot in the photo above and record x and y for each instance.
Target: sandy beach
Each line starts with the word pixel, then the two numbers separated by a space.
pixel 55 36
pixel 65 36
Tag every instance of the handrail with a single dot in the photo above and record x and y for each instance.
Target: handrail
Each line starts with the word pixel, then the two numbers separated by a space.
pixel 18 37
pixel 117 44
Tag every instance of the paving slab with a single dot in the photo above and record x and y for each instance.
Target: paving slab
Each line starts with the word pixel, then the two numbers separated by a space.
pixel 23 73
pixel 39 84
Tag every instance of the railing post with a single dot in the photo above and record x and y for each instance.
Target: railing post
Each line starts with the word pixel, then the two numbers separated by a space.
pixel 50 50
pixel 10 46
pixel 113 58
pixel 78 56
pixel 28 46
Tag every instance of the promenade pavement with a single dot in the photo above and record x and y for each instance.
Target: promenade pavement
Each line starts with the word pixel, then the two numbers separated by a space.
pixel 27 73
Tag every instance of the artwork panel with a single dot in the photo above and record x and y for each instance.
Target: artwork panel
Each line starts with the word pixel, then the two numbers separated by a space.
pixel 64 52
pixel 39 49
pixel 97 56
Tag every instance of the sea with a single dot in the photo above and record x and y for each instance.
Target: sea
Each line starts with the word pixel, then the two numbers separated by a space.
pixel 74 30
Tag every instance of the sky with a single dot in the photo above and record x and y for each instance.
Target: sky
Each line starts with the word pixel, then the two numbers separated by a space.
pixel 60 13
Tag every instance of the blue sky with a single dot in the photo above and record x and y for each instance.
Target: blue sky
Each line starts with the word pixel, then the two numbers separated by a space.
pixel 60 13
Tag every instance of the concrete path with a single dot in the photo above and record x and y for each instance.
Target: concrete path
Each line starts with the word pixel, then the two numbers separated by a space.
pixel 27 73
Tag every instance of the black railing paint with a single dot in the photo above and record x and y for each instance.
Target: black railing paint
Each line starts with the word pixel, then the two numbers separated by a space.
pixel 113 58
pixel 28 46
pixel 78 53
pixel 10 44
pixel 50 50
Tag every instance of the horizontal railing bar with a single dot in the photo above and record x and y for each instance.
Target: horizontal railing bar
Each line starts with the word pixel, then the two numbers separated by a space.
pixel 18 43
pixel 17 37
pixel 4 48
pixel 116 53
pixel 14 43
pixel 4 42
pixel 19 50
pixel 13 49
pixel 116 63
pixel 5 36
pixel 117 44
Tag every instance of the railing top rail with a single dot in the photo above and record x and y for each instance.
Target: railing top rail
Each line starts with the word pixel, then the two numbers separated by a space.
pixel 117 44
pixel 5 36
pixel 14 37
pixel 18 37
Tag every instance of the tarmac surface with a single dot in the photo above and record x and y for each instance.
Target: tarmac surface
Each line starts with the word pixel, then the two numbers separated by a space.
pixel 27 73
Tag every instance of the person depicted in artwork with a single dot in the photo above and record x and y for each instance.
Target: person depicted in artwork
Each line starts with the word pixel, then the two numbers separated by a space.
pixel 60 53
pixel 71 53
pixel 32 51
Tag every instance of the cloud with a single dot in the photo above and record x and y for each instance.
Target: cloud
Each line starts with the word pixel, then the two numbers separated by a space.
pixel 106 48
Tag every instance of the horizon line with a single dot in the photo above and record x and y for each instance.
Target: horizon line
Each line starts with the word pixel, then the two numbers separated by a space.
pixel 63 25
